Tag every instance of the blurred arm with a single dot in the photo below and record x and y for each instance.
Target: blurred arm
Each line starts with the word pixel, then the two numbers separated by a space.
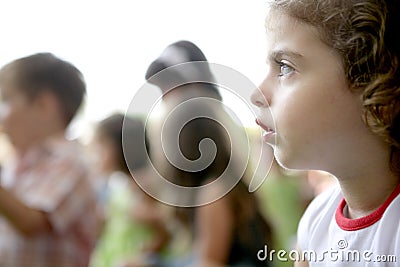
pixel 27 221
pixel 148 212
pixel 214 231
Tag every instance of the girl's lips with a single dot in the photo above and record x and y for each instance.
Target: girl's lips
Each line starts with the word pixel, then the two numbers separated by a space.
pixel 264 127
pixel 268 132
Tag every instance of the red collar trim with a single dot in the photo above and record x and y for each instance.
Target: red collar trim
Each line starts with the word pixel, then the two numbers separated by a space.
pixel 363 222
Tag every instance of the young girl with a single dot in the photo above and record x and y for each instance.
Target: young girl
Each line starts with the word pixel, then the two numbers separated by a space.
pixel 134 228
pixel 333 88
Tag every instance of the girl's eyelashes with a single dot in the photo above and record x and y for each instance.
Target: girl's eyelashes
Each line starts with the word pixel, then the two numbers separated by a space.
pixel 284 68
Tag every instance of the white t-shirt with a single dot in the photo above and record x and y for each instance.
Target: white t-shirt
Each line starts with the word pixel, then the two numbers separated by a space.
pixel 327 238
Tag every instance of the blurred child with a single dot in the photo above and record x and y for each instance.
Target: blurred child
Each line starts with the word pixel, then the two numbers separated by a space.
pixel 134 227
pixel 47 205
pixel 333 88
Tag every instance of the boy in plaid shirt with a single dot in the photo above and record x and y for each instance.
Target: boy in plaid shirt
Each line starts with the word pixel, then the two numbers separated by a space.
pixel 48 213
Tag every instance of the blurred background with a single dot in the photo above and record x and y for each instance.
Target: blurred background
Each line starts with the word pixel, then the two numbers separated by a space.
pixel 112 43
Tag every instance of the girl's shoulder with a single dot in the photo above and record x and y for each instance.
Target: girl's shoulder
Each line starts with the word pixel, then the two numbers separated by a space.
pixel 320 211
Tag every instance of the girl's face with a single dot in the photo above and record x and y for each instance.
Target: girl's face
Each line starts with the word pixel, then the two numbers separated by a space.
pixel 315 115
pixel 105 154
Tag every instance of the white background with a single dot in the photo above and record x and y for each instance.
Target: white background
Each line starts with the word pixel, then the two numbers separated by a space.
pixel 113 42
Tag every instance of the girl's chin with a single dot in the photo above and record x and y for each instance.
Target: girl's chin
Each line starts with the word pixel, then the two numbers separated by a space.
pixel 286 160
pixel 269 138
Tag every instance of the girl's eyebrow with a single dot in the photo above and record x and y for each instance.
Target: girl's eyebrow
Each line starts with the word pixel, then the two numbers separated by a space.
pixel 277 55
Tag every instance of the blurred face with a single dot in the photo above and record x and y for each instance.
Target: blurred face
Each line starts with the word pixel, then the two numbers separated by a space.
pixel 315 116
pixel 105 154
pixel 18 117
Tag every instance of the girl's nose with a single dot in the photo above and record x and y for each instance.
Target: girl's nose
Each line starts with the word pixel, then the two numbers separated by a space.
pixel 260 97
pixel 257 98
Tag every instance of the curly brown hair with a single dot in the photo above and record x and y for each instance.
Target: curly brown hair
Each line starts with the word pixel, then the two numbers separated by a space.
pixel 364 33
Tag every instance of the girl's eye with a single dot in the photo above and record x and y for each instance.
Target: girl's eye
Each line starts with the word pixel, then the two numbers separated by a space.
pixel 284 69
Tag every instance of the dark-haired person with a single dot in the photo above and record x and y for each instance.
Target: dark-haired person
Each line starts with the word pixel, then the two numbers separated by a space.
pixel 230 230
pixel 48 211
pixel 134 230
